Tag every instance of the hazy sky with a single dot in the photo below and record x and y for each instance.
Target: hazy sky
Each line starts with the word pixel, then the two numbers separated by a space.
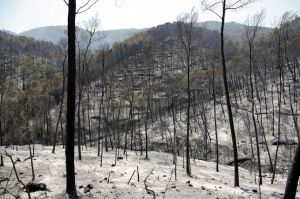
pixel 20 15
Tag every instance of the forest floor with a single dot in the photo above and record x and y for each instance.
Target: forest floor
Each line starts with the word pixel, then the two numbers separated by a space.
pixel 111 181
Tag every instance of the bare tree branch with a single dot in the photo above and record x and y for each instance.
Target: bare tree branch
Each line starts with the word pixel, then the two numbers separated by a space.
pixel 215 13
pixel 214 4
pixel 211 8
pixel 252 27
pixel 131 177
pixel 66 2
pixel 233 4
pixel 17 176
pixel 235 8
pixel 82 7
pixel 239 4
pixel 150 191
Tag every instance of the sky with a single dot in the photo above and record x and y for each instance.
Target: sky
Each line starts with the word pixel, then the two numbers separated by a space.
pixel 22 15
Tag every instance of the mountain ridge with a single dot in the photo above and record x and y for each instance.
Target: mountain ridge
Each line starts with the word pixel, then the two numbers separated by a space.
pixel 55 33
pixel 233 30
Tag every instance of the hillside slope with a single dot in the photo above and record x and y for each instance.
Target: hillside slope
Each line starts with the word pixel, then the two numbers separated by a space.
pixel 114 181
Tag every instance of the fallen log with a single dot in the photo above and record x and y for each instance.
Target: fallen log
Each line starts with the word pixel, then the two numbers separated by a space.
pixel 280 142
pixel 32 187
pixel 240 161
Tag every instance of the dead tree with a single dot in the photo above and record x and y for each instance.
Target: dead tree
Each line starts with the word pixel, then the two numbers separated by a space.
pixel 175 136
pixel 251 31
pixel 294 113
pixel 292 181
pixel 103 83
pixel 215 120
pixel 186 26
pixel 62 97
pixel 226 6
pixel 279 91
pixel 31 161
pixel 1 161
pixel 71 93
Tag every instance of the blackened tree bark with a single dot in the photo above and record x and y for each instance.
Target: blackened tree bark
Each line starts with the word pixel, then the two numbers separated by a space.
pixel 1 161
pixel 292 181
pixel 230 116
pixel 294 113
pixel 71 93
pixel 71 90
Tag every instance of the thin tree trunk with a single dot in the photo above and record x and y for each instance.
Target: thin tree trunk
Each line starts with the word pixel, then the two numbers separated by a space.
pixel 101 104
pixel 230 116
pixel 31 162
pixel 175 137
pixel 61 106
pixel 253 114
pixel 89 119
pixel 273 111
pixel 79 126
pixel 294 115
pixel 147 114
pixel 279 132
pixel 215 121
pixel 99 129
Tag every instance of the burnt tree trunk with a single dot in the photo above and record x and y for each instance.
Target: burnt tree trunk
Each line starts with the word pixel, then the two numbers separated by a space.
pixel 230 116
pixel 292 181
pixel 215 121
pixel 70 167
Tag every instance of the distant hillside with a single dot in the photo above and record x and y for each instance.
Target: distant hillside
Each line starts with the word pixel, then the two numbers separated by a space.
pixel 233 30
pixel 8 32
pixel 14 45
pixel 112 36
pixel 163 39
pixel 48 33
pixel 55 33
